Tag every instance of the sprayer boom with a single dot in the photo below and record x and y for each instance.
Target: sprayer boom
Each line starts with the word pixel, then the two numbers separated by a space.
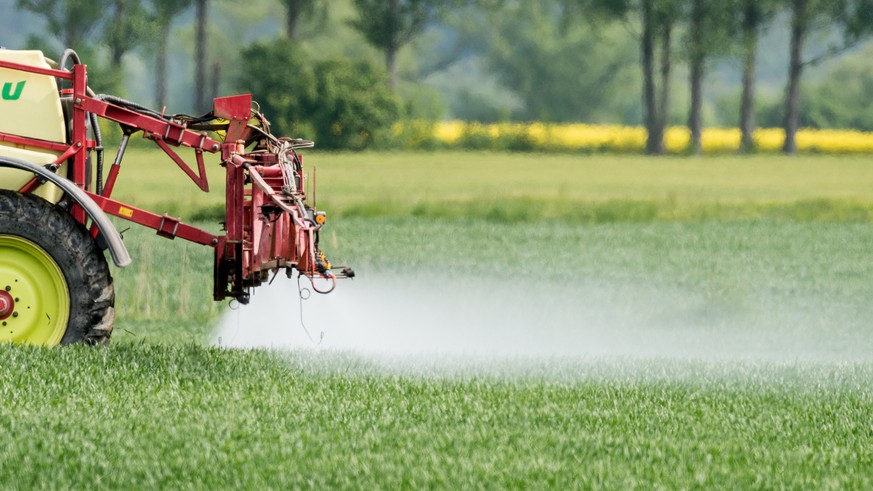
pixel 269 224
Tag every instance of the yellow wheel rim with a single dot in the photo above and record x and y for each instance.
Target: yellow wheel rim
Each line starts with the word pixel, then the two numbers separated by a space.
pixel 34 299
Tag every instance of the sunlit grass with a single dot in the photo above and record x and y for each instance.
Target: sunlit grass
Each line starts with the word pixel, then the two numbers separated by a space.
pixel 370 198
pixel 595 189
pixel 166 294
pixel 189 417
pixel 528 187
pixel 762 245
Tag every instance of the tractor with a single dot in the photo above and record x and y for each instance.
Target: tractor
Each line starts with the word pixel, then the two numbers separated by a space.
pixel 56 199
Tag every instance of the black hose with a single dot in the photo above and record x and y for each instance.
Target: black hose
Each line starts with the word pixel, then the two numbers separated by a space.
pixel 130 105
pixel 98 136
pixel 67 54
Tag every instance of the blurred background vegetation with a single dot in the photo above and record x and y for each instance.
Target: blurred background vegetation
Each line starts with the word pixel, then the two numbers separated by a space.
pixel 343 72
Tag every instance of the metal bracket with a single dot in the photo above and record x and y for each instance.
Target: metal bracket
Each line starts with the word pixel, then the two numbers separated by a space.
pixel 168 227
pixel 175 132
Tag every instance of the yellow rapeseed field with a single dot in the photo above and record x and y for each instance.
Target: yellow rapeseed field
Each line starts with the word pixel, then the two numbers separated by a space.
pixel 622 139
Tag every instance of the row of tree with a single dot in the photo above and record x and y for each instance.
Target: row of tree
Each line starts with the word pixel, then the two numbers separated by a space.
pixel 707 30
pixel 700 31
pixel 697 32
pixel 713 29
pixel 123 26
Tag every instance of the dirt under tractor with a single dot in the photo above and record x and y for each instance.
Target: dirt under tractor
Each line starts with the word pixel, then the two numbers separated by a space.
pixel 56 199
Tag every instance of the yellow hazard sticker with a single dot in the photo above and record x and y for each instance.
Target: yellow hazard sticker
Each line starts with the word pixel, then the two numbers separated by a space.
pixel 125 212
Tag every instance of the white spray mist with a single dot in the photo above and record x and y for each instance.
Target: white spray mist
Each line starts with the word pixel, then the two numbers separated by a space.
pixel 427 315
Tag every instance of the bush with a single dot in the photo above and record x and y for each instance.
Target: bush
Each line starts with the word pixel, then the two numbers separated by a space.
pixel 281 79
pixel 415 135
pixel 353 104
pixel 341 104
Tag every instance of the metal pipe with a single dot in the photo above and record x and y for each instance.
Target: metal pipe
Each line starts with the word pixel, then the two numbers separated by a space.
pixel 116 166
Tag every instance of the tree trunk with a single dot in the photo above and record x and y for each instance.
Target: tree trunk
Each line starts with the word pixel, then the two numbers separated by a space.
pixel 292 18
pixel 116 51
pixel 696 73
pixel 664 97
pixel 117 39
pixel 71 38
pixel 695 119
pixel 750 54
pixel 795 70
pixel 390 65
pixel 650 110
pixel 200 57
pixel 393 46
pixel 216 79
pixel 161 67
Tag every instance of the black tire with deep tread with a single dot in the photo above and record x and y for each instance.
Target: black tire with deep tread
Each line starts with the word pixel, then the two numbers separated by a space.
pixel 92 293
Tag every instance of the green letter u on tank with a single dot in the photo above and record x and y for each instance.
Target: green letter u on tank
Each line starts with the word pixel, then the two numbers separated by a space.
pixel 8 95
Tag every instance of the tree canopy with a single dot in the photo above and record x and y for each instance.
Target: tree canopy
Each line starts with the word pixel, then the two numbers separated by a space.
pixel 655 62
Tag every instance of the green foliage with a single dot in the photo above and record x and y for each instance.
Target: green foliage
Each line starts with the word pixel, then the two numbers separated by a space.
pixel 352 104
pixel 838 99
pixel 856 18
pixel 165 11
pixel 754 14
pixel 562 75
pixel 88 27
pixel 125 29
pixel 391 24
pixel 421 103
pixel 711 36
pixel 295 11
pixel 70 21
pixel 769 111
pixel 282 80
pixel 594 9
pixel 72 24
pixel 338 103
pixel 414 135
pixel 552 60
pixel 475 103
pixel 842 98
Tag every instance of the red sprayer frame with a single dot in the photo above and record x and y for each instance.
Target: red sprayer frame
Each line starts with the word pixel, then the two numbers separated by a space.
pixel 268 224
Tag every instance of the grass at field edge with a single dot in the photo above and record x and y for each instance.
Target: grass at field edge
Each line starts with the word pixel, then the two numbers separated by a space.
pixel 188 416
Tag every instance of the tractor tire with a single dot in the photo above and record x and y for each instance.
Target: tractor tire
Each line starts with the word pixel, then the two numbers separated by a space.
pixel 55 285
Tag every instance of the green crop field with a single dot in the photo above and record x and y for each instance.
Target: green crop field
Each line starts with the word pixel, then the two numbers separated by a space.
pixel 517 187
pixel 204 418
pixel 519 321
